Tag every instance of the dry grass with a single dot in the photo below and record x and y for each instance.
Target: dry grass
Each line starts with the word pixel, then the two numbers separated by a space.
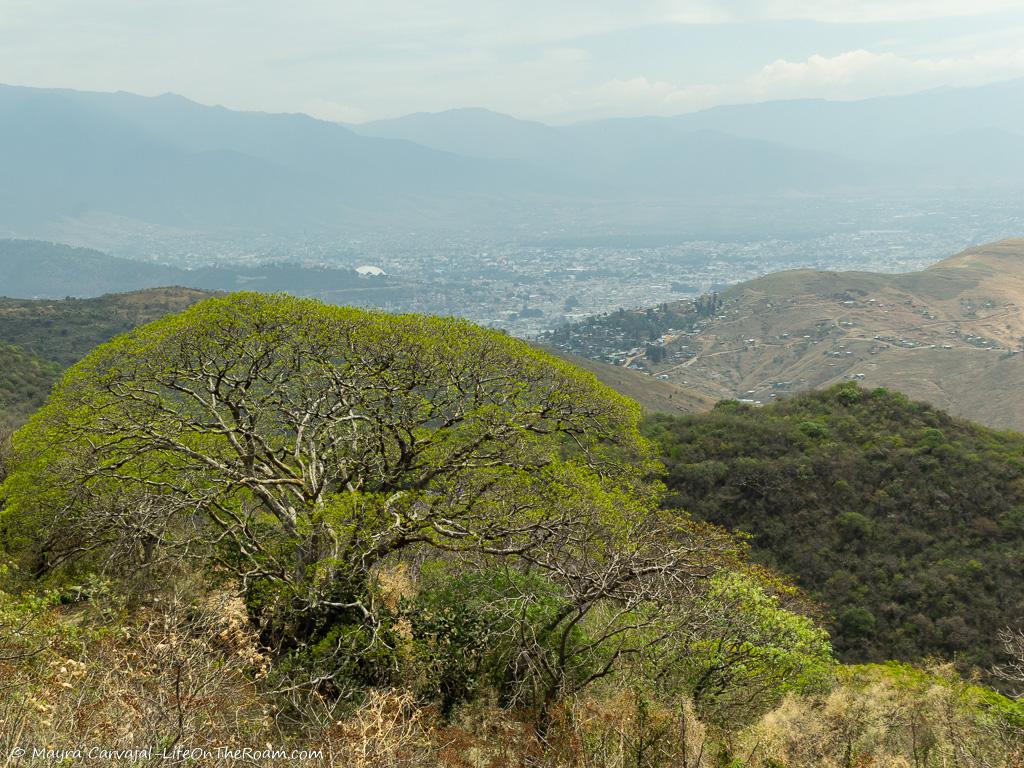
pixel 185 672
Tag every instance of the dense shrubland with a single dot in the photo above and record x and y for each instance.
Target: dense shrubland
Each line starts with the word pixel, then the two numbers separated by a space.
pixel 408 541
pixel 906 523
pixel 25 381
pixel 63 331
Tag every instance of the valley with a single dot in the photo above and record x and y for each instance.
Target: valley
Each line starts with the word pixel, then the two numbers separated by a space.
pixel 493 385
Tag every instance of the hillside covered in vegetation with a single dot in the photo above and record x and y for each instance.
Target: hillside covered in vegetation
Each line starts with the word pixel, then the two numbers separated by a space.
pixel 40 269
pixel 379 540
pixel 25 382
pixel 63 331
pixel 40 338
pixel 906 523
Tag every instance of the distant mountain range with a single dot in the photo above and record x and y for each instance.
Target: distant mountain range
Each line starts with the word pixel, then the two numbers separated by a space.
pixel 169 162
pixel 939 136
pixel 175 163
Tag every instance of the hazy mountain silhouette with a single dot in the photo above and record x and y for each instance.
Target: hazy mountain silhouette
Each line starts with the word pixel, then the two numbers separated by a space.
pixel 870 128
pixel 473 132
pixel 172 162
pixel 937 136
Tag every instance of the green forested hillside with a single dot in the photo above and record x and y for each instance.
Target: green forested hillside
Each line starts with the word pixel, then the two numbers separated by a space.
pixel 907 523
pixel 41 337
pixel 64 330
pixel 25 381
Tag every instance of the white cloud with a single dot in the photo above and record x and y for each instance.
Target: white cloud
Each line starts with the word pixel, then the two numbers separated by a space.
pixel 861 73
pixel 851 75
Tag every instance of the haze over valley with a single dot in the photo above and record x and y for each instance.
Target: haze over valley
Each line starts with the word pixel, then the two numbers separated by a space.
pixel 705 198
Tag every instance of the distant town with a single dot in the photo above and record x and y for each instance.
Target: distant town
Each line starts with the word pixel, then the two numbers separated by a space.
pixel 532 286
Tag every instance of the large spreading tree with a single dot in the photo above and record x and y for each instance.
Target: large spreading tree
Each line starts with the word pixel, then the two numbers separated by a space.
pixel 301 448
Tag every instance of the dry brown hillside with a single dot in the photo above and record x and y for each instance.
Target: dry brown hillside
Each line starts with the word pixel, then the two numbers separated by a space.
pixel 950 335
pixel 654 395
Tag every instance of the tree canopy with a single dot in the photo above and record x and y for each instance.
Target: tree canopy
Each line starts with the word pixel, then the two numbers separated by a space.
pixel 303 449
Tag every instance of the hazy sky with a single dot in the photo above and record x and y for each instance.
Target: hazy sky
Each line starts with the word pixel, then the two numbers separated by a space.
pixel 555 60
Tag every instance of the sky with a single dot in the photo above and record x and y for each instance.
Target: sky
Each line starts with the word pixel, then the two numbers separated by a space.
pixel 552 60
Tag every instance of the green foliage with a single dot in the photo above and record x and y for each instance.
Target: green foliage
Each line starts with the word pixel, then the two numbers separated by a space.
pixel 905 522
pixel 634 328
pixel 891 715
pixel 25 382
pixel 749 651
pixel 299 448
pixel 29 628
pixel 417 505
pixel 64 331
pixel 856 623
pixel 40 338
pixel 490 630
pixel 979 699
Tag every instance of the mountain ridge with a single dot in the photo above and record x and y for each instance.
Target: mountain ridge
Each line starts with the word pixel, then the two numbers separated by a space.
pixel 856 127
pixel 950 335
pixel 39 269
pixel 901 519
pixel 167 161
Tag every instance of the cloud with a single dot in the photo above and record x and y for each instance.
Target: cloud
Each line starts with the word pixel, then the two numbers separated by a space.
pixel 350 59
pixel 854 74
pixel 862 73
